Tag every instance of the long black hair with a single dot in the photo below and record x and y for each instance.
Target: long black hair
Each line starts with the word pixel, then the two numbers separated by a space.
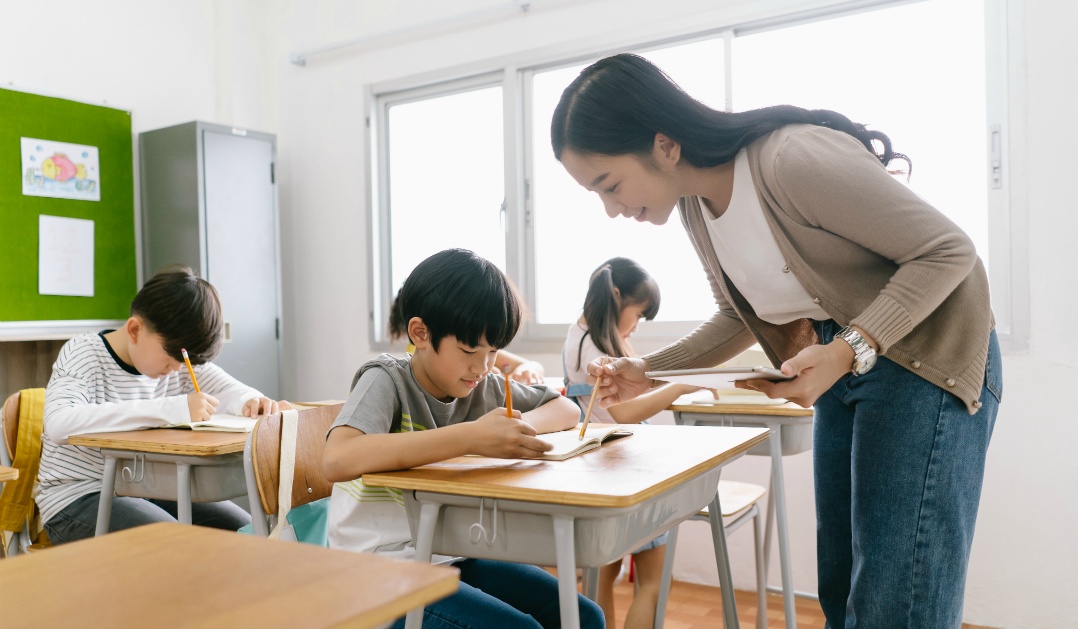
pixel 603 304
pixel 458 293
pixel 617 105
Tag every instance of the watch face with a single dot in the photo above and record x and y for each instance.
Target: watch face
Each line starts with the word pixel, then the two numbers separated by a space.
pixel 861 366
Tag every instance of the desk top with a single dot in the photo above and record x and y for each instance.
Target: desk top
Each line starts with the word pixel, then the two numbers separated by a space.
pixel 788 409
pixel 210 578
pixel 165 441
pixel 622 473
pixel 8 473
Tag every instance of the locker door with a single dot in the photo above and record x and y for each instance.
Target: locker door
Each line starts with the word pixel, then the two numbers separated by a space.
pixel 241 244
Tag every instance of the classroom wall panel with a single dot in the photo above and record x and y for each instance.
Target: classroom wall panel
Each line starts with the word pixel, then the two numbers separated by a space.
pixel 115 273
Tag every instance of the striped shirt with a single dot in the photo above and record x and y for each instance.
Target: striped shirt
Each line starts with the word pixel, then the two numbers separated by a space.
pixel 92 390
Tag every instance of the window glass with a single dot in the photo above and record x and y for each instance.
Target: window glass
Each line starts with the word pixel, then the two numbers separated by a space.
pixel 573 235
pixel 915 72
pixel 446 178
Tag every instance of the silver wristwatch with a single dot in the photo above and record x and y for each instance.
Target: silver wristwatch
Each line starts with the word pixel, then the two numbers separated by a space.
pixel 864 357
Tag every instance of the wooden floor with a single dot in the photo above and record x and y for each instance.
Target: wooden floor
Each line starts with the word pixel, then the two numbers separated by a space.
pixel 692 606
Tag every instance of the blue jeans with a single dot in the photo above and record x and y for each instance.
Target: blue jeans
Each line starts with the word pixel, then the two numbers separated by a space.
pixel 898 466
pixel 504 595
pixel 78 520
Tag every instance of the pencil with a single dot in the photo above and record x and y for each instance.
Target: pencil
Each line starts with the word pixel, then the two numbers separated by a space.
pixel 594 391
pixel 190 370
pixel 508 397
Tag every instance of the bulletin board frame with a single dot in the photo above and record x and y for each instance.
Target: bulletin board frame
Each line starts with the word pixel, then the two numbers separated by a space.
pixel 24 312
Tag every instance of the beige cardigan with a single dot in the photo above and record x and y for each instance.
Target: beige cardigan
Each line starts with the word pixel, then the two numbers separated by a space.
pixel 869 251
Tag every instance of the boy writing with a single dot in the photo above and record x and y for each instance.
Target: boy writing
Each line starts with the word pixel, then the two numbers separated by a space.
pixel 458 310
pixel 133 378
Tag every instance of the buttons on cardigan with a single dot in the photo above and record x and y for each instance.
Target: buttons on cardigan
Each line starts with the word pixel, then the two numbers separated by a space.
pixel 786 269
pixel 916 364
pixel 815 300
pixel 977 404
pixel 951 382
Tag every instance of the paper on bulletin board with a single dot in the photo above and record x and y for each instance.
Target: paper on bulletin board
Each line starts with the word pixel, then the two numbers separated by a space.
pixel 65 256
pixel 60 169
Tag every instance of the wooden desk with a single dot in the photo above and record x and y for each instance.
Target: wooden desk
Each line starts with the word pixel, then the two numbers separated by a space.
pixel 791 430
pixel 585 511
pixel 168 575
pixel 186 466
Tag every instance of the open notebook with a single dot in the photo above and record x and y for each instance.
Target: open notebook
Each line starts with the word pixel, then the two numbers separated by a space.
pixel 222 422
pixel 568 444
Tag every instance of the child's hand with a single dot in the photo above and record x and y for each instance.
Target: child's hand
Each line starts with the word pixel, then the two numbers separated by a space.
pixel 264 406
pixel 496 435
pixel 202 406
pixel 528 372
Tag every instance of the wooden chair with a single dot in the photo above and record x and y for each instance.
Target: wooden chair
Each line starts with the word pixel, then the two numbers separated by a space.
pixel 739 505
pixel 21 541
pixel 261 463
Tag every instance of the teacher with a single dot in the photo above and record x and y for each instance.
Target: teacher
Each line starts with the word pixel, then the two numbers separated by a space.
pixel 872 298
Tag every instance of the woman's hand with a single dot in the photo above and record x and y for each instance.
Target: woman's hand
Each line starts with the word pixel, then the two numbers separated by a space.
pixel 815 368
pixel 618 380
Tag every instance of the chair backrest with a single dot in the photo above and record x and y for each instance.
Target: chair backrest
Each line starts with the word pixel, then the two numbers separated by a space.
pixel 308 482
pixel 9 423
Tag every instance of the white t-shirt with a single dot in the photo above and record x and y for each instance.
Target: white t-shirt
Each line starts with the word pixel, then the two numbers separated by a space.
pixel 750 257
pixel 587 351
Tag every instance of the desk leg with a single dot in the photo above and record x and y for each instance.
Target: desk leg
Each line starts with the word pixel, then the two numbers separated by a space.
pixel 779 498
pixel 668 571
pixel 565 549
pixel 104 502
pixel 590 577
pixel 424 544
pixel 722 560
pixel 183 493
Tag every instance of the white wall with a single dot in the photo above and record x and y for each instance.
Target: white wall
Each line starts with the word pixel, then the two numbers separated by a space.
pixel 226 62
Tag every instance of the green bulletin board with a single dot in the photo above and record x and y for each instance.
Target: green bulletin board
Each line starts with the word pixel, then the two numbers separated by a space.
pixel 115 276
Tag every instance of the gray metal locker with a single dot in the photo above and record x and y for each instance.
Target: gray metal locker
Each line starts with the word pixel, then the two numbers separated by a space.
pixel 209 200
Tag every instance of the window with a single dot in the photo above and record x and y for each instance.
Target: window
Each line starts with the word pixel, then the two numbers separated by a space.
pixel 445 176
pixel 488 181
pixel 568 218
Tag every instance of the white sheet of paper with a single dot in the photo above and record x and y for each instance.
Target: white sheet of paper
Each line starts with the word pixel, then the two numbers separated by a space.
pixel 65 256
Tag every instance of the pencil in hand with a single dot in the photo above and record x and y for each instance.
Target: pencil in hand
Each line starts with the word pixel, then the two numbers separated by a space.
pixel 508 398
pixel 594 394
pixel 190 370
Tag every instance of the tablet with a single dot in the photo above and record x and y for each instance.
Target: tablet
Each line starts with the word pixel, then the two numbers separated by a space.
pixel 717 377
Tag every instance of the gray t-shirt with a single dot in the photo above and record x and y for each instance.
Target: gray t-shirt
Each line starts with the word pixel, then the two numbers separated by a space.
pixel 386 398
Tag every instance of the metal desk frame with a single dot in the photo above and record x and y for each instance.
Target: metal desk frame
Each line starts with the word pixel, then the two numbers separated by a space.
pixel 776 504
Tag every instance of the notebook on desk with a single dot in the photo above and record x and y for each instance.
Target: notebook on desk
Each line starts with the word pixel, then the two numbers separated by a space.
pixel 568 444
pixel 221 422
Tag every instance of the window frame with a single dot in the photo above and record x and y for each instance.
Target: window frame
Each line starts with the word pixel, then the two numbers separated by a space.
pixel 1007 210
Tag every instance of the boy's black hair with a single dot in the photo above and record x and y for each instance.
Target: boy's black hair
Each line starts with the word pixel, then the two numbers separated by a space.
pixel 458 293
pixel 184 310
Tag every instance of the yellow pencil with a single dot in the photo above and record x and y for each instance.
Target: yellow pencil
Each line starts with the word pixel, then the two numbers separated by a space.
pixel 190 370
pixel 587 413
pixel 508 398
